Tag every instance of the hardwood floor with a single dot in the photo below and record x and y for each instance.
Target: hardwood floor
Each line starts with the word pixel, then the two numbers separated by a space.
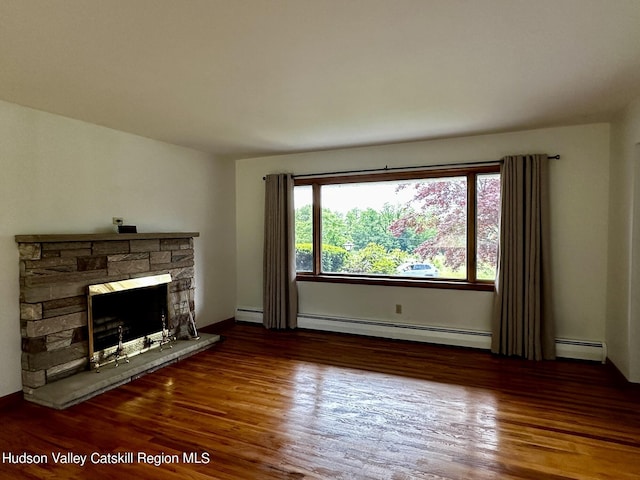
pixel 308 405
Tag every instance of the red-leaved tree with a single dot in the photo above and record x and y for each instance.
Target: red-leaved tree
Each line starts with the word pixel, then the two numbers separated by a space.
pixel 440 206
pixel 488 222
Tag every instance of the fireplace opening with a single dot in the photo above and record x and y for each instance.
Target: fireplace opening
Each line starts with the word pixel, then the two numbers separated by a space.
pixel 138 312
pixel 127 316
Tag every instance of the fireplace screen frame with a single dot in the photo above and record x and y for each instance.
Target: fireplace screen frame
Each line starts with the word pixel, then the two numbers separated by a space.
pixel 137 345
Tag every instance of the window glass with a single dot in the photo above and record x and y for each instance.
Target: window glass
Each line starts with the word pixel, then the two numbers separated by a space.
pixel 303 204
pixel 414 228
pixel 357 228
pixel 488 225
pixel 436 217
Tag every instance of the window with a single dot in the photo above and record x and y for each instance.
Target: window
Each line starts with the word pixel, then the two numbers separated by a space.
pixel 427 228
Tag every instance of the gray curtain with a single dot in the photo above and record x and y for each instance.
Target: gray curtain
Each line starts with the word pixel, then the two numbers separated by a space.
pixel 522 316
pixel 280 295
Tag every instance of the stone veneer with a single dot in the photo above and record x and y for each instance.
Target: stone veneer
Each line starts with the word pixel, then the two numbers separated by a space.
pixel 55 271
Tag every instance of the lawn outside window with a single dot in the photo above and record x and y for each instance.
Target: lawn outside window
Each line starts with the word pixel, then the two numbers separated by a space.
pixel 429 228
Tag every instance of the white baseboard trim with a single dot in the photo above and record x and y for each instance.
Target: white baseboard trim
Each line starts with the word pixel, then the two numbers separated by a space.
pixel 581 350
pixel 246 314
pixel 565 348
pixel 418 333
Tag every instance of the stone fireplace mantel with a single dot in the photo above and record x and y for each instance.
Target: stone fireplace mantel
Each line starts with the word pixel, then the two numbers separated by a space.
pixel 95 237
pixel 55 272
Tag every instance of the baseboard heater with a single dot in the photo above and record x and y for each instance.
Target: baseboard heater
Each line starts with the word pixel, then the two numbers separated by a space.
pixel 565 348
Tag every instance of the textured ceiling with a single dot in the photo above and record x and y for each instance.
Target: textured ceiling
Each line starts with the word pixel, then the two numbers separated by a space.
pixel 241 78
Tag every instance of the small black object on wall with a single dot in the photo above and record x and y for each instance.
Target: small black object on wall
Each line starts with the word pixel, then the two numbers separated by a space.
pixel 127 229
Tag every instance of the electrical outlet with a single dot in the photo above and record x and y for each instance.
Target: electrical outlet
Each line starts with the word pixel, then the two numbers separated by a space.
pixel 118 220
pixel 398 308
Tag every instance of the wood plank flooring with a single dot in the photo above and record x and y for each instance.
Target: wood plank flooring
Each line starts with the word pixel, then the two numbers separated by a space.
pixel 309 405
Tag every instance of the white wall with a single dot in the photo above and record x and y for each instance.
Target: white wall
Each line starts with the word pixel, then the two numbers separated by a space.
pixel 623 300
pixel 65 176
pixel 579 196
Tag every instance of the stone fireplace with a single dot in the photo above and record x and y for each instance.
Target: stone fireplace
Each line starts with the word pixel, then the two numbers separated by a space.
pixel 55 274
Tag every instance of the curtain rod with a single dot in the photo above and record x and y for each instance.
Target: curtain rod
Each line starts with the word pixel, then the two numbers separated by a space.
pixel 391 169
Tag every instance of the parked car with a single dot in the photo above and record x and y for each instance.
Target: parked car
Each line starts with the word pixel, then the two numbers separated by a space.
pixel 418 270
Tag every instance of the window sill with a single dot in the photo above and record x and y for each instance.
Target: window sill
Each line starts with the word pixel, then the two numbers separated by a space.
pixel 397 282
